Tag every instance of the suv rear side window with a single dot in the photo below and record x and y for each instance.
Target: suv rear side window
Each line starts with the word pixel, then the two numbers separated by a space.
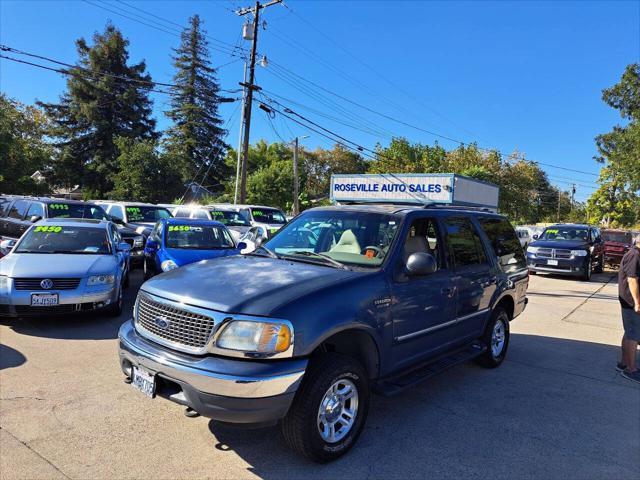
pixel 464 242
pixel 18 209
pixel 505 243
pixel 4 206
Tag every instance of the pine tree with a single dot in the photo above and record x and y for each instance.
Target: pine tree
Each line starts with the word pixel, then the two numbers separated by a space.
pixel 197 136
pixel 105 99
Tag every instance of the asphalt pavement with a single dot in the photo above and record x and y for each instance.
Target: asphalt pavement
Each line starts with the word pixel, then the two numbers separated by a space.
pixel 556 408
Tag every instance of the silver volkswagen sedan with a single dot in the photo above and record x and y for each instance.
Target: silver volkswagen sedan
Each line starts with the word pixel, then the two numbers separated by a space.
pixel 61 266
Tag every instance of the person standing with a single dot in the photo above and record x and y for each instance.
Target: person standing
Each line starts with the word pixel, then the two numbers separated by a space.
pixel 629 294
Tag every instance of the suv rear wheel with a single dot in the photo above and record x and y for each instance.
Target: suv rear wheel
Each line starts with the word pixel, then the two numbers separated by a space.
pixel 329 410
pixel 496 338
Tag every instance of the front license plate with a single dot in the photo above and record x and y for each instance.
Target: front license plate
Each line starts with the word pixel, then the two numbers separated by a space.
pixel 44 299
pixel 143 381
pixel 552 262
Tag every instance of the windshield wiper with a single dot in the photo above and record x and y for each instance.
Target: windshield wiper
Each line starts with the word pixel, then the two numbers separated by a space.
pixel 324 257
pixel 270 253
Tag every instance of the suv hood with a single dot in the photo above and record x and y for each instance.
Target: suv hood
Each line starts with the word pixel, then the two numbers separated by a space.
pixel 245 284
pixel 563 244
pixel 56 265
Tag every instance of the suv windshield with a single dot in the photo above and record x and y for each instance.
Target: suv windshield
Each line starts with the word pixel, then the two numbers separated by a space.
pixel 75 210
pixel 268 215
pixel 619 237
pixel 65 239
pixel 229 218
pixel 355 238
pixel 136 213
pixel 571 234
pixel 198 237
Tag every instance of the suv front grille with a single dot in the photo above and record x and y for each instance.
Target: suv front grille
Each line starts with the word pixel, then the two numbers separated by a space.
pixel 174 326
pixel 34 283
pixel 554 253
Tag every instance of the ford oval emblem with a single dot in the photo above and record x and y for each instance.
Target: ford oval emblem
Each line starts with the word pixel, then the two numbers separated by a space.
pixel 46 284
pixel 161 322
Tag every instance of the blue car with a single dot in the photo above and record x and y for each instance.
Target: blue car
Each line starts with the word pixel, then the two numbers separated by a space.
pixel 175 242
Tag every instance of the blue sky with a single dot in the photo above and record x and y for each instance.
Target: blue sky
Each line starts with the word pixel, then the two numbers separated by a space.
pixel 525 75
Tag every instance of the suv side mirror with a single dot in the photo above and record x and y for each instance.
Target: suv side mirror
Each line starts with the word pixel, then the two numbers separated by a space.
pixel 35 218
pixel 536 236
pixel 421 263
pixel 151 244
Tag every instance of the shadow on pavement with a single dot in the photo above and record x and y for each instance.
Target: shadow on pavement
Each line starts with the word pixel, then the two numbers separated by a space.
pixel 10 358
pixel 92 326
pixel 554 409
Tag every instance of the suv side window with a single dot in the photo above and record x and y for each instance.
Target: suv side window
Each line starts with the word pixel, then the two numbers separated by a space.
pixel 4 206
pixel 35 209
pixel 423 237
pixel 504 242
pixel 18 209
pixel 464 242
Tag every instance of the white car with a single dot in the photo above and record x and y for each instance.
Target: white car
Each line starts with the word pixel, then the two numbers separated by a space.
pixel 269 218
pixel 235 222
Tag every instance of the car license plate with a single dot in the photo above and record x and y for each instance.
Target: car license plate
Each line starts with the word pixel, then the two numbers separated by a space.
pixel 44 299
pixel 552 262
pixel 143 381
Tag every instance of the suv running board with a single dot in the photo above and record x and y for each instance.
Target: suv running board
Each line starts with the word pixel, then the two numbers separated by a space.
pixel 393 385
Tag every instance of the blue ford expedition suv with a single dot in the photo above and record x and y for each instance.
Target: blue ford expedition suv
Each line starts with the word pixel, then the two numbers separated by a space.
pixel 341 302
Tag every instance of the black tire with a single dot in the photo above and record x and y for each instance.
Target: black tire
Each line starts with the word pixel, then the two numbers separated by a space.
pixel 115 310
pixel 492 358
pixel 148 273
pixel 300 427
pixel 600 267
pixel 531 272
pixel 586 271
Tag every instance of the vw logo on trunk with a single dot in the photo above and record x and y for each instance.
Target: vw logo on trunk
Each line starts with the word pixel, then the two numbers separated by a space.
pixel 46 284
pixel 161 322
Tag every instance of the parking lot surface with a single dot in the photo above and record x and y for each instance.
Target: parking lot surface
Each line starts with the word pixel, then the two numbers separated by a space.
pixel 556 408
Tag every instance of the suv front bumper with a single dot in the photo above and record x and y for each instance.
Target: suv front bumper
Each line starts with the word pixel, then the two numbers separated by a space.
pixel 228 390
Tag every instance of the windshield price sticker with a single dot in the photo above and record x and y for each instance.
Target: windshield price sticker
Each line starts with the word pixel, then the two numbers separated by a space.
pixel 133 209
pixel 184 228
pixel 258 213
pixel 48 229
pixel 59 206
pixel 217 213
pixel 552 231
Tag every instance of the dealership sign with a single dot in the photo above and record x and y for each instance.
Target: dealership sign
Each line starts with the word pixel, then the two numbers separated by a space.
pixel 442 188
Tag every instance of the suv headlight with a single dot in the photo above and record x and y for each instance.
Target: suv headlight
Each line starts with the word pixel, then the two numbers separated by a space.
pixel 579 253
pixel 168 265
pixel 532 249
pixel 138 242
pixel 101 280
pixel 255 337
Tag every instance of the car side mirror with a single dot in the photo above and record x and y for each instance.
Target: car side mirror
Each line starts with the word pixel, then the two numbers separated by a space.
pixel 151 244
pixel 421 263
pixel 536 236
pixel 123 247
pixel 241 246
pixel 35 218
pixel 6 246
pixel 116 220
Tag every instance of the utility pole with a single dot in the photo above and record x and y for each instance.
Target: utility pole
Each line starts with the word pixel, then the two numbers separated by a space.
pixel 573 194
pixel 239 161
pixel 559 193
pixel 296 186
pixel 250 87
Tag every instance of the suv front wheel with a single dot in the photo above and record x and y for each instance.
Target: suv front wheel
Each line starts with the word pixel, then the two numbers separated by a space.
pixel 329 410
pixel 496 338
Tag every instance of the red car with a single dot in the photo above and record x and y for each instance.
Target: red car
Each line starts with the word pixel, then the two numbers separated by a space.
pixel 616 244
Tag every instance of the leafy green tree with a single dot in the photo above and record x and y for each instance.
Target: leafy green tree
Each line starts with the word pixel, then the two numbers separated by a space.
pixel 320 164
pixel 106 98
pixel 196 137
pixel 23 149
pixel 144 174
pixel 401 156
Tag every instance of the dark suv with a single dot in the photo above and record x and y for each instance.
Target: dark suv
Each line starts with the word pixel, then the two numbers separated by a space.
pixel 567 249
pixel 18 213
pixel 340 302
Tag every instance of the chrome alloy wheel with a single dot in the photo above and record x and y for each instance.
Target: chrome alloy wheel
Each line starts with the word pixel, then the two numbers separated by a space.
pixel 497 338
pixel 338 410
